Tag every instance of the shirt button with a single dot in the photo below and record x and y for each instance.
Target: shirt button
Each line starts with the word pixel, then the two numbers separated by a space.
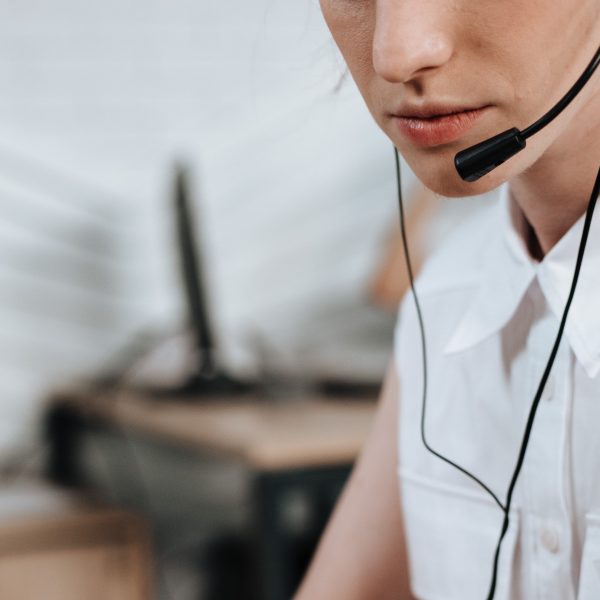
pixel 550 540
pixel 548 389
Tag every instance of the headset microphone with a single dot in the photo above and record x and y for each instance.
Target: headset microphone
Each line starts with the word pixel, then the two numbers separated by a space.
pixel 478 160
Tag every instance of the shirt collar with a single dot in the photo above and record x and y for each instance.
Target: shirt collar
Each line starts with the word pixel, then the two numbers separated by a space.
pixel 508 271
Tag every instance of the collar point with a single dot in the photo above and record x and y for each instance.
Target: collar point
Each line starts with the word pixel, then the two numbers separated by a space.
pixel 592 368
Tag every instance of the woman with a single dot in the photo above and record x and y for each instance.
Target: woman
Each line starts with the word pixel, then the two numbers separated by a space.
pixel 409 523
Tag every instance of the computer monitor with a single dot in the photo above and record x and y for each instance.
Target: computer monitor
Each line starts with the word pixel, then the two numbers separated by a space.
pixel 209 377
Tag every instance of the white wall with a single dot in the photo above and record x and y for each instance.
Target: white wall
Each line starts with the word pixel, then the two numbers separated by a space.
pixel 97 99
pixel 64 294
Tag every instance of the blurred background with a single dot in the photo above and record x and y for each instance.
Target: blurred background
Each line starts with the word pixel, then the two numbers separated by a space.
pixel 199 277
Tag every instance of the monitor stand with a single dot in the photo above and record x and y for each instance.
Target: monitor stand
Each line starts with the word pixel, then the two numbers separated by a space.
pixel 208 382
pixel 213 387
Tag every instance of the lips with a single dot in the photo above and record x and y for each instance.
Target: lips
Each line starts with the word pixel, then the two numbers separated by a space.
pixel 435 125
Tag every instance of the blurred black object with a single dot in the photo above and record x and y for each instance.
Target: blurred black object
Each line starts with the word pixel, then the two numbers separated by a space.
pixel 209 377
pixel 348 390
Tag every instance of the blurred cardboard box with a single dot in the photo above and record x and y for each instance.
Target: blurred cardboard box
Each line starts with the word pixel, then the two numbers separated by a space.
pixel 54 546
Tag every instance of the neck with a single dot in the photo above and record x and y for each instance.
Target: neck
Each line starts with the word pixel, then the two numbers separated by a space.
pixel 554 192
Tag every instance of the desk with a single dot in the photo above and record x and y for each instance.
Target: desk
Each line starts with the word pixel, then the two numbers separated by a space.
pixel 309 444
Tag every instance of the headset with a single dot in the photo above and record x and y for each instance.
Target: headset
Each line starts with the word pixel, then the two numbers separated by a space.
pixel 471 164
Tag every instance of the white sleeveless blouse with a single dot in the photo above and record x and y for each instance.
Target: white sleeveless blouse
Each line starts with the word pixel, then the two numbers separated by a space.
pixel 491 315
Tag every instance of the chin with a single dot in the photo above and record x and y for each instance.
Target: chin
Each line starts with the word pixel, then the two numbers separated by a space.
pixel 441 177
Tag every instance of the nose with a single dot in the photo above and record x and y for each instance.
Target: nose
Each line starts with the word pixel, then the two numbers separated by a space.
pixel 410 37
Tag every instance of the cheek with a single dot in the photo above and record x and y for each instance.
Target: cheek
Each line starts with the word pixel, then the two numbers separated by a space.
pixel 351 25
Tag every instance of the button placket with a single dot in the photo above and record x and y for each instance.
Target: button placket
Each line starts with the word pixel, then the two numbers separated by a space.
pixel 550 525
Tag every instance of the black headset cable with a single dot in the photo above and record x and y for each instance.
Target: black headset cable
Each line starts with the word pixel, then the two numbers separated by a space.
pixel 529 424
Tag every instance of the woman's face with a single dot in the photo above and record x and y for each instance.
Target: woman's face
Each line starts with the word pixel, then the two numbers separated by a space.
pixel 509 59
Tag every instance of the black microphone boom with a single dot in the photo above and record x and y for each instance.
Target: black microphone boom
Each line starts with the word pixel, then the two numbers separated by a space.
pixel 478 160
